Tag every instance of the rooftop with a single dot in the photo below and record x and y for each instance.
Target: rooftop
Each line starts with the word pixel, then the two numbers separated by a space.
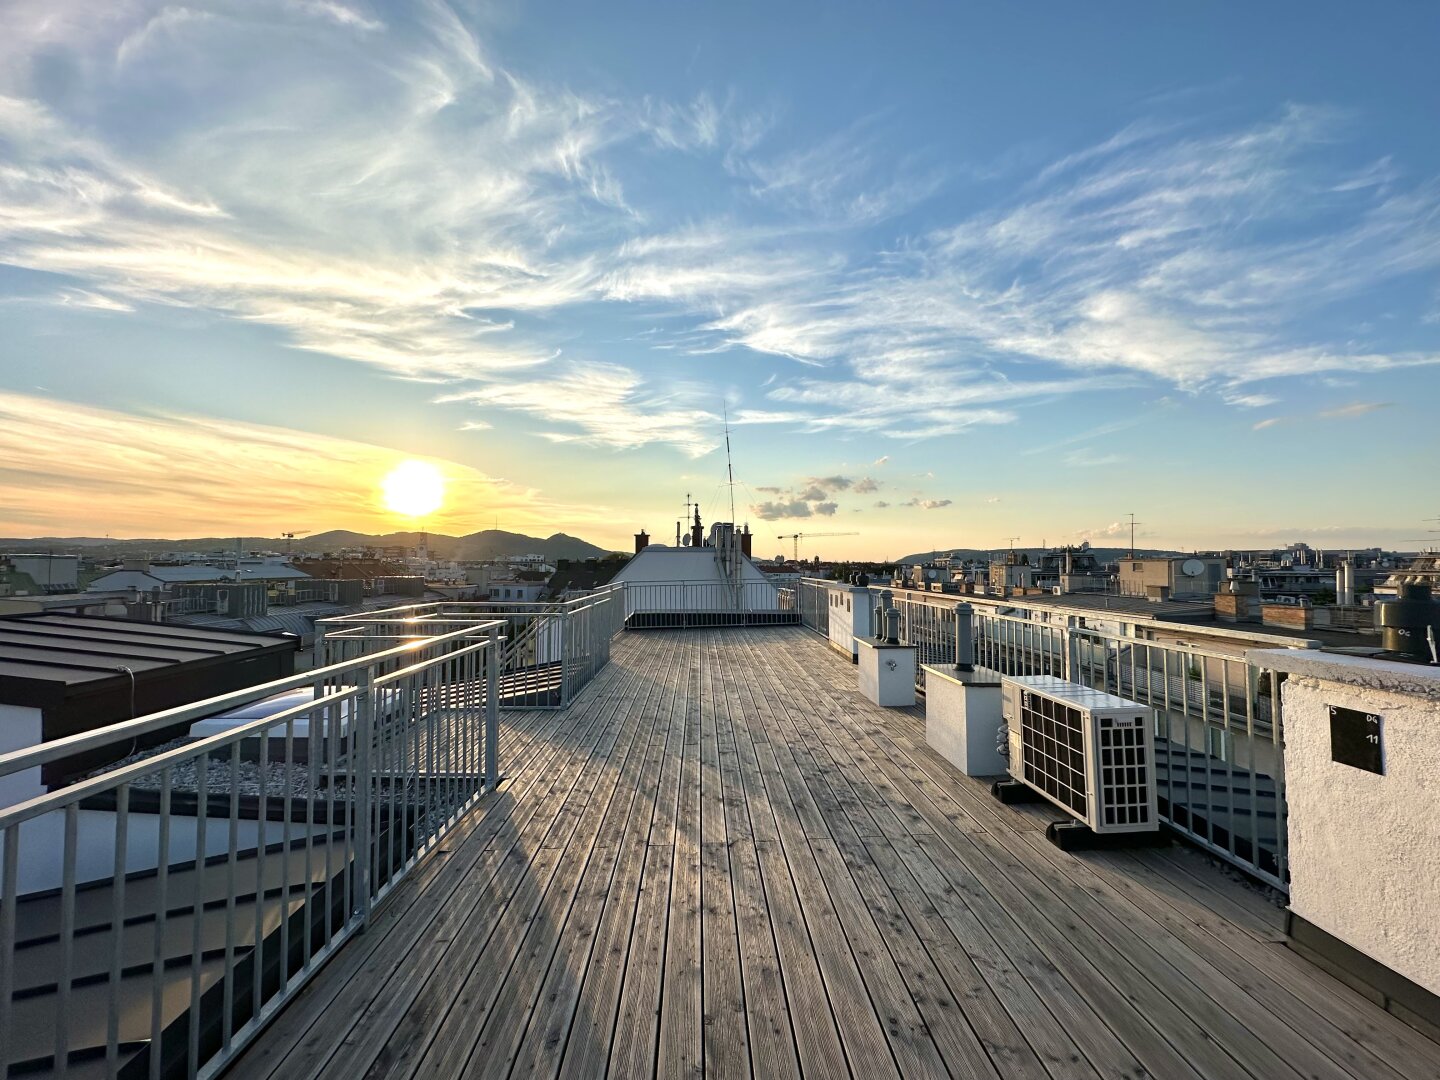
pixel 71 649
pixel 720 859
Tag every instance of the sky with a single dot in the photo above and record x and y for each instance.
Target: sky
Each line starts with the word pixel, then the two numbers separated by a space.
pixel 953 273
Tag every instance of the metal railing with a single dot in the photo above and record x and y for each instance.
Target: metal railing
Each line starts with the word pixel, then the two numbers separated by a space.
pixel 1219 737
pixel 551 649
pixel 650 604
pixel 155 914
pixel 812 598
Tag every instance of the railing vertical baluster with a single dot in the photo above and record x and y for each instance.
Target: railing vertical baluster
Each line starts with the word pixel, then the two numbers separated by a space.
pixel 262 808
pixel 288 790
pixel 9 889
pixel 162 909
pixel 363 712
pixel 227 1019
pixel 197 909
pixel 117 928
pixel 64 974
pixel 1227 755
pixel 492 711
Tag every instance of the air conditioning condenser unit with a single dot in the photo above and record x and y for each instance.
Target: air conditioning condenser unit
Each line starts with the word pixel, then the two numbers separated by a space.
pixel 1090 753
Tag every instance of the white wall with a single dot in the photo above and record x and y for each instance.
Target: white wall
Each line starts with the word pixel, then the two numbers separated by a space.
pixel 850 615
pixel 42 844
pixel 1365 848
pixel 20 726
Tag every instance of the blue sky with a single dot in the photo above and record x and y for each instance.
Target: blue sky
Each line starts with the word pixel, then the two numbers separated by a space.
pixel 956 272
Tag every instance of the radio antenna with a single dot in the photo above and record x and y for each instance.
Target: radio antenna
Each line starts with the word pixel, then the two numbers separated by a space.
pixel 729 468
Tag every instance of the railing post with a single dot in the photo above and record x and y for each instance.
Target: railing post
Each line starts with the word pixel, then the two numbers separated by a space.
pixel 1072 650
pixel 964 637
pixel 492 710
pixel 362 787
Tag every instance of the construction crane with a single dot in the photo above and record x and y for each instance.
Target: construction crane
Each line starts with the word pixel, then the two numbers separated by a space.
pixel 289 538
pixel 795 539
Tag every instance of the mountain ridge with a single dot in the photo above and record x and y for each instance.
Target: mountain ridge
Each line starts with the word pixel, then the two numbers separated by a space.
pixel 484 544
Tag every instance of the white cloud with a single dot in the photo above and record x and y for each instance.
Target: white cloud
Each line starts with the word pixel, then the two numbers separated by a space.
pixel 389 193
pixel 778 511
pixel 1087 458
pixel 604 405
pixel 1251 401
pixel 1339 412
pixel 1355 408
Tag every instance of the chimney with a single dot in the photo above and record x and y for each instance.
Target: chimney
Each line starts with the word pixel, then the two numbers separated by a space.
pixel 745 542
pixel 697 531
pixel 642 541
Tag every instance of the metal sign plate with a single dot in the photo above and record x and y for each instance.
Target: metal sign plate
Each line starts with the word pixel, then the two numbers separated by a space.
pixel 1356 739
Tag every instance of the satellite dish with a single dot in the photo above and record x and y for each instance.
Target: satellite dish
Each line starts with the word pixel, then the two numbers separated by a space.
pixel 1192 568
pixel 686 541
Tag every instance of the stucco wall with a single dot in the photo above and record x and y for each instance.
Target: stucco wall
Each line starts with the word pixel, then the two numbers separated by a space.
pixel 1365 848
pixel 20 727
pixel 849 617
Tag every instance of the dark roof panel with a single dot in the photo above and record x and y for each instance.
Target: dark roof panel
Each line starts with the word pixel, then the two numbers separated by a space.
pixel 65 650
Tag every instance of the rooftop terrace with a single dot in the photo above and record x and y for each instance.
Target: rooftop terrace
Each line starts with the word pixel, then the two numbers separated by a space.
pixel 721 859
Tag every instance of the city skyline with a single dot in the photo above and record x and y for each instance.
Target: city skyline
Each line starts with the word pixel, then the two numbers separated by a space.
pixel 948 278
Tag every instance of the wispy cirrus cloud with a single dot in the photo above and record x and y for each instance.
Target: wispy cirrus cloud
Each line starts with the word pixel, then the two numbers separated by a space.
pixel 1355 408
pixel 604 405
pixel 1339 412
pixel 1163 254
pixel 384 189
pixel 1088 458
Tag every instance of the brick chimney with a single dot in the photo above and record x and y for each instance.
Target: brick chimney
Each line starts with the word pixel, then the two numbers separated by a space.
pixel 642 541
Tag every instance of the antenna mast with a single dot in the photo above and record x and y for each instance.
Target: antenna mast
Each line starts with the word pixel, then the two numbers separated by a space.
pixel 1133 523
pixel 729 468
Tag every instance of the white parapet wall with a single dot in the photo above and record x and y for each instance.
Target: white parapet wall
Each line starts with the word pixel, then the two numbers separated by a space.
pixel 850 618
pixel 887 673
pixel 1364 846
pixel 963 718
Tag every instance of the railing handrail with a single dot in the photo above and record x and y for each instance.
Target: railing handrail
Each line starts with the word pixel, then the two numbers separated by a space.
pixel 56 749
pixel 362 616
pixel 946 601
pixel 50 801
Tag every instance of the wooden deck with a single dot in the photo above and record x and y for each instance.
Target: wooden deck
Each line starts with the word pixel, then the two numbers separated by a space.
pixel 722 860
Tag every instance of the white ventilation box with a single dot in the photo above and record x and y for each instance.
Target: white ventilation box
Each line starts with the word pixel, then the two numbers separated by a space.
pixel 1090 753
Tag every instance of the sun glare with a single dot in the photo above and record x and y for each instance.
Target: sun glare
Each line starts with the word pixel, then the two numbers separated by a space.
pixel 413 488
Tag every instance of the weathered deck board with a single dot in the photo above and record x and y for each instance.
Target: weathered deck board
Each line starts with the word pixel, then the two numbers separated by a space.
pixel 721 861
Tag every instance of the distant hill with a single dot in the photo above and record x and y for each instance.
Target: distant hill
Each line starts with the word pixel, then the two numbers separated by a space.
pixel 487 544
pixel 1104 554
pixel 492 543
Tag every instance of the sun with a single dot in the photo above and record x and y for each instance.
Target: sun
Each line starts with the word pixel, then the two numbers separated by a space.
pixel 413 488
